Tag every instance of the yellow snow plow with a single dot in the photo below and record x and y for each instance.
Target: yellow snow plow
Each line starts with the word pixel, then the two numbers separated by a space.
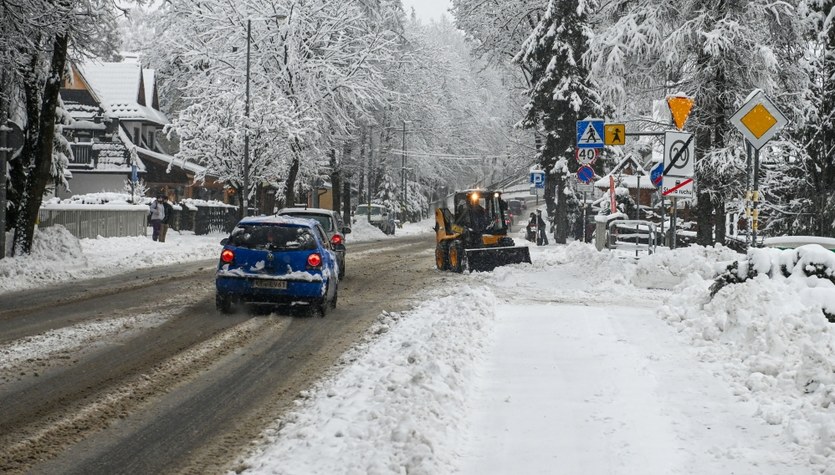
pixel 474 236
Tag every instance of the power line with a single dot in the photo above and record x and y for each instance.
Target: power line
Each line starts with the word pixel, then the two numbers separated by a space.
pixel 447 156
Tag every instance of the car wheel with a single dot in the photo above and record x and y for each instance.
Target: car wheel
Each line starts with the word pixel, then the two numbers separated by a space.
pixel 320 306
pixel 341 270
pixel 223 303
pixel 335 297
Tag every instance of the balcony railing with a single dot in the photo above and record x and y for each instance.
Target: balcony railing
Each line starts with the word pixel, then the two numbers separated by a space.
pixel 82 154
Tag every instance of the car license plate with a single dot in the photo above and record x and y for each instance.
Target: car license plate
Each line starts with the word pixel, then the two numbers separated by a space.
pixel 269 284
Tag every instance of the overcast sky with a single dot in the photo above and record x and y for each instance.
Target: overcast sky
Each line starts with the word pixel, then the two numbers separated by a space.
pixel 428 9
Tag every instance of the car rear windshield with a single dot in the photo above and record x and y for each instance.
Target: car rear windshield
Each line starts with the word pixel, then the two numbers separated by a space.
pixel 325 221
pixel 273 237
pixel 375 211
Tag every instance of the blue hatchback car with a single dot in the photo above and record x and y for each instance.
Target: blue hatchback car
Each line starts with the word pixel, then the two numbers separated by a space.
pixel 274 260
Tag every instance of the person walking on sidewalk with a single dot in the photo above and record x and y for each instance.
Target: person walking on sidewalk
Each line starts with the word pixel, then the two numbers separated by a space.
pixel 167 219
pixel 157 215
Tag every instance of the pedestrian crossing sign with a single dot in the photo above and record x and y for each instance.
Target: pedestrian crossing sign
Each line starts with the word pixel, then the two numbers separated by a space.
pixel 590 133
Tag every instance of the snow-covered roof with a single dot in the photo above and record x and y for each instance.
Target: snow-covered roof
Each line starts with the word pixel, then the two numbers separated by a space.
pixel 628 181
pixel 163 157
pixel 120 87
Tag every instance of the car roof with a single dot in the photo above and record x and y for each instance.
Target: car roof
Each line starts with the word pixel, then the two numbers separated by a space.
pixel 277 220
pixel 322 211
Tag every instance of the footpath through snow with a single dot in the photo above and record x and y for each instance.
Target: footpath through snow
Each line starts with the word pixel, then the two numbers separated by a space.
pixel 582 363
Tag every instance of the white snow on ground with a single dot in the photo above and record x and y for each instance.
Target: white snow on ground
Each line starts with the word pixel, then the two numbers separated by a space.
pixel 583 362
pixel 576 364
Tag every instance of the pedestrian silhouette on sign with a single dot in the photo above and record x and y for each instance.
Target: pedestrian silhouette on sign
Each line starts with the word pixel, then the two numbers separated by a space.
pixel 617 138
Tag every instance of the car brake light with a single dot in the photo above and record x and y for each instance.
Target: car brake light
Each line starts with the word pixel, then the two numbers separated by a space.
pixel 336 240
pixel 314 260
pixel 227 256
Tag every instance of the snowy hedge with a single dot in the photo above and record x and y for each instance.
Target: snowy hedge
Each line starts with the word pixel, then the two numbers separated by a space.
pixel 810 265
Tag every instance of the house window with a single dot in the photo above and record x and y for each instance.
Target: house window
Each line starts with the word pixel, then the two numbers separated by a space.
pixel 137 136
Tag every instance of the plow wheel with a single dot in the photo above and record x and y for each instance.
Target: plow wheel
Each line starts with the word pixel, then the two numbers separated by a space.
pixel 457 257
pixel 442 255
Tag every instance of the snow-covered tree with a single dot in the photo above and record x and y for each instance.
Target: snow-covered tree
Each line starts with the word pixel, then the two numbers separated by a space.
pixel 36 39
pixel 817 137
pixel 561 94
pixel 714 51
pixel 314 66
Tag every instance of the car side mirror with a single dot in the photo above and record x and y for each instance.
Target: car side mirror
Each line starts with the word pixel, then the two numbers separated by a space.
pixel 346 230
pixel 224 241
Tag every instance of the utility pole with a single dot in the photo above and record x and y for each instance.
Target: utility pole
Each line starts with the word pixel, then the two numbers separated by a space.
pixel 403 166
pixel 3 157
pixel 245 192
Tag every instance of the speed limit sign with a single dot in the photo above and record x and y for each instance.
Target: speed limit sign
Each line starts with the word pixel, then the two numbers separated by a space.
pixel 587 156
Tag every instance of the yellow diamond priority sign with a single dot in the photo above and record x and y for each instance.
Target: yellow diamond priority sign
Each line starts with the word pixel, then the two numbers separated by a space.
pixel 759 119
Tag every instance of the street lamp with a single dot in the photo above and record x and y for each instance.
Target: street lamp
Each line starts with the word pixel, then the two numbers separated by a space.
pixel 245 194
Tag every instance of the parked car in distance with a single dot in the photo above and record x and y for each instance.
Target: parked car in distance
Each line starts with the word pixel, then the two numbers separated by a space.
pixel 333 225
pixel 377 216
pixel 276 260
pixel 517 206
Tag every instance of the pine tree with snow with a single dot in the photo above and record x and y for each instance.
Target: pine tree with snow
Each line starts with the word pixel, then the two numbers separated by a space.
pixel 818 135
pixel 561 94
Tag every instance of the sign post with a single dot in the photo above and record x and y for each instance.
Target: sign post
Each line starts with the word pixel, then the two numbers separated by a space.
pixel 759 120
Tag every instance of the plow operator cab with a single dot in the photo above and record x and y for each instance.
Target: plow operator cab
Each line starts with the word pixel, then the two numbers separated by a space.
pixel 473 234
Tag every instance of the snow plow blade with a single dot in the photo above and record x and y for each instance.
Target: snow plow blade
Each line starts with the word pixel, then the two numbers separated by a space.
pixel 488 258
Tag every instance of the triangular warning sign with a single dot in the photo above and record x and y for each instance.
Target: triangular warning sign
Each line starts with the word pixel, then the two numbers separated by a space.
pixel 590 136
pixel 680 107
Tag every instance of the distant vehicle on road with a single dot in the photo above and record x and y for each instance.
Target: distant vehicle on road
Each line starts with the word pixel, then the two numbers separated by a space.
pixel 517 206
pixel 274 260
pixel 333 225
pixel 378 215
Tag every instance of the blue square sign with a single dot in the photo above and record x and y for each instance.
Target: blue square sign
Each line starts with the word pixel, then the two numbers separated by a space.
pixel 538 179
pixel 590 133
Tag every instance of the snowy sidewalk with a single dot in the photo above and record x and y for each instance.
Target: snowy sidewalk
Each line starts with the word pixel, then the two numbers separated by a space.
pixel 609 390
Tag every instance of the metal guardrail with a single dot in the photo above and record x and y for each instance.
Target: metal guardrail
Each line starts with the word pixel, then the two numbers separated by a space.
pixel 92 221
pixel 632 235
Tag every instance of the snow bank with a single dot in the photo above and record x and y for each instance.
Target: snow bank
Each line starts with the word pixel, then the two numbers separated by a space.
pixel 58 256
pixel 398 405
pixel 769 337
pixel 670 267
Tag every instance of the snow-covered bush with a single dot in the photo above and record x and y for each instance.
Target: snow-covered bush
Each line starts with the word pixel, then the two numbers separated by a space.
pixel 810 264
